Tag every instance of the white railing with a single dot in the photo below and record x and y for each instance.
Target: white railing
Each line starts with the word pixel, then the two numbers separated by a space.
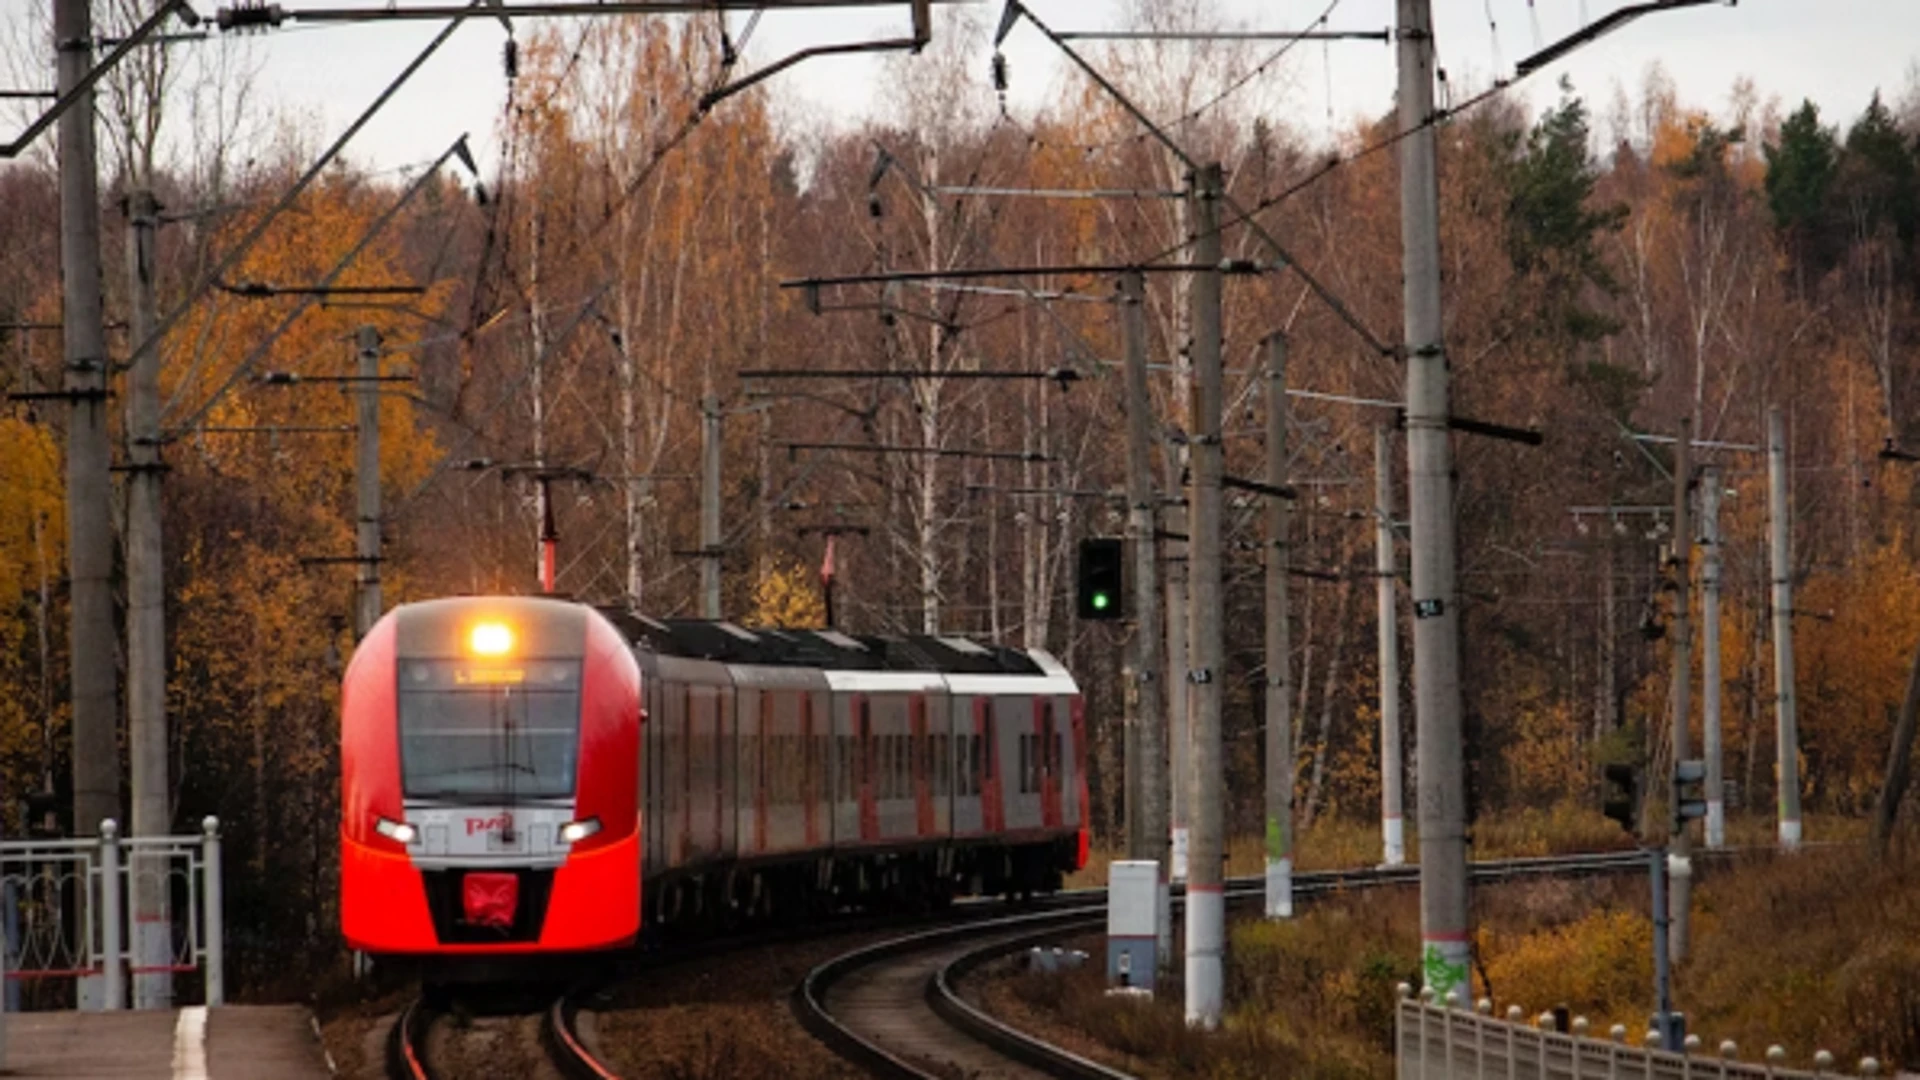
pixel 61 923
pixel 1434 1042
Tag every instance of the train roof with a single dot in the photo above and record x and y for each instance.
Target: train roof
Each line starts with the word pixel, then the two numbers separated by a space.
pixel 830 650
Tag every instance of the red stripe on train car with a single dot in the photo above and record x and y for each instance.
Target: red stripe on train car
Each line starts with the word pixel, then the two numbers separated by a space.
pixel 1079 713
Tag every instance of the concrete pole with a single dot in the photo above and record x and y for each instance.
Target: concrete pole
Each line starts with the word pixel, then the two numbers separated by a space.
pixel 710 447
pixel 94 668
pixel 1679 896
pixel 1392 771
pixel 367 479
pixel 1444 932
pixel 1279 764
pixel 1147 784
pixel 1710 653
pixel 146 616
pixel 1179 703
pixel 1778 513
pixel 96 758
pixel 1206 900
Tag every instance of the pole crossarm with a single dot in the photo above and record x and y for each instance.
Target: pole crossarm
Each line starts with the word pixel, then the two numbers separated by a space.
pixel 261 289
pixel 1230 266
pixel 260 351
pixel 1015 9
pixel 933 451
pixel 248 15
pixel 1229 35
pixel 1600 27
pixel 95 74
pixel 1062 375
pixel 1277 491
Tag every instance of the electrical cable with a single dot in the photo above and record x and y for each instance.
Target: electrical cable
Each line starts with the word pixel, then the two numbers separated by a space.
pixel 1233 87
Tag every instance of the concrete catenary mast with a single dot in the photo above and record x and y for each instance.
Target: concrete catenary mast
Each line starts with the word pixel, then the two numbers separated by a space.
pixel 1393 836
pixel 1444 933
pixel 1206 900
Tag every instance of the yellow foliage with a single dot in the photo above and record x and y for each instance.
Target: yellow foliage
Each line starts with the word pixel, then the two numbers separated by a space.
pixel 33 528
pixel 1599 966
pixel 786 597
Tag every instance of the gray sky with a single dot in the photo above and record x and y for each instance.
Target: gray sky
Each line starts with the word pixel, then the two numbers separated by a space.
pixel 1833 51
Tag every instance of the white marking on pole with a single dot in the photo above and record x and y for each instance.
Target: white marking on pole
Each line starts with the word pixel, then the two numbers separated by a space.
pixel 1206 941
pixel 1396 840
pixel 190 1044
pixel 1279 888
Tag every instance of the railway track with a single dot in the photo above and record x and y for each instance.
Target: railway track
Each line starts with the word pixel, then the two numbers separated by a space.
pixel 565 1051
pixel 895 1008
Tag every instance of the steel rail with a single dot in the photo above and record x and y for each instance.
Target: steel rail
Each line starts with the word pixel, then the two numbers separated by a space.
pixel 406 1044
pixel 565 1048
pixel 942 996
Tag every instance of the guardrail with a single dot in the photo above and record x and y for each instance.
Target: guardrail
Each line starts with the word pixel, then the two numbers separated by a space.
pixel 67 914
pixel 1438 1042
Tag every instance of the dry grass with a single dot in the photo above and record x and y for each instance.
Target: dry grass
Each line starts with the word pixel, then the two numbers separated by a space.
pixel 1820 950
pixel 1310 997
pixel 1336 844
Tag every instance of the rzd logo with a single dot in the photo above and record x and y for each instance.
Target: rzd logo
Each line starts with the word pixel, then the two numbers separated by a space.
pixel 497 823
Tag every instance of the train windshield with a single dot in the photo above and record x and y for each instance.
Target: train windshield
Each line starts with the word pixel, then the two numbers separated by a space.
pixel 495 733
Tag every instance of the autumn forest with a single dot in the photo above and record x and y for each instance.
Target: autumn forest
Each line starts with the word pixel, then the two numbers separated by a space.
pixel 1613 264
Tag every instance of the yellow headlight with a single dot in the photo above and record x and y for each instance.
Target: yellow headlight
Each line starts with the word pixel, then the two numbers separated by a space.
pixel 490 639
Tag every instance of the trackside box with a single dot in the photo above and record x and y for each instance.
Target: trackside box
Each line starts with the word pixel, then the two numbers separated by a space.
pixel 1133 890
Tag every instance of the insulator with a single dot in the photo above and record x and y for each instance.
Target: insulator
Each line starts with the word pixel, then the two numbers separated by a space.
pixel 250 14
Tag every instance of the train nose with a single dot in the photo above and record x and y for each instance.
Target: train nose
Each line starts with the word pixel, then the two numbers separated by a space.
pixel 490 899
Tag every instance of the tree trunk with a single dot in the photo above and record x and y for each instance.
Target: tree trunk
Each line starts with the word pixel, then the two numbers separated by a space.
pixel 1335 655
pixel 1887 810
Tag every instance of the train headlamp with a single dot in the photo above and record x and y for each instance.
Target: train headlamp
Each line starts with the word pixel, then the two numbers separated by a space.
pixel 490 639
pixel 397 831
pixel 575 831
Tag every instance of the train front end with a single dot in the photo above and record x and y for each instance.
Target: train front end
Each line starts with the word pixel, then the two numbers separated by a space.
pixel 489 764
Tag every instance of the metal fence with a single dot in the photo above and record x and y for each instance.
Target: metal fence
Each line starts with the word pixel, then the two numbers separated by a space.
pixel 68 918
pixel 1439 1043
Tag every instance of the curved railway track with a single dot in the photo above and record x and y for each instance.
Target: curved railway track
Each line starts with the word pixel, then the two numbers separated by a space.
pixel 565 1050
pixel 896 1010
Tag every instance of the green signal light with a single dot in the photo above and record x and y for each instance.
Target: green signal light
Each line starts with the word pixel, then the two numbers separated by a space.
pixel 1101 601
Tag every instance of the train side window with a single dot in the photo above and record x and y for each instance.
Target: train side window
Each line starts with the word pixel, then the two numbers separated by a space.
pixel 976 773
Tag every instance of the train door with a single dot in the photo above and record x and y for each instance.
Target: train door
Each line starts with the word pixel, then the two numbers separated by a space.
pixel 653 815
pixel 700 807
pixel 965 725
pixel 920 759
pixel 844 770
pixel 988 770
pixel 1014 721
pixel 815 746
pixel 726 773
pixel 751 730
pixel 864 773
pixel 1049 750
pixel 939 714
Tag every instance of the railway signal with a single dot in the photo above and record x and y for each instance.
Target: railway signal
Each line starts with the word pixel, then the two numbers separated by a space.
pixel 1622 794
pixel 1099 578
pixel 1689 792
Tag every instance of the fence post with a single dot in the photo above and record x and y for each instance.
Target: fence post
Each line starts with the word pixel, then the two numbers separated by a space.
pixel 110 912
pixel 210 900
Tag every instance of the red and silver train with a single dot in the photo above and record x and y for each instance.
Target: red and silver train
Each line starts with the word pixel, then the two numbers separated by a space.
pixel 528 775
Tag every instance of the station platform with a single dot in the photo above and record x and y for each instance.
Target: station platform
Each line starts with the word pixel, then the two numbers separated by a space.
pixel 227 1042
